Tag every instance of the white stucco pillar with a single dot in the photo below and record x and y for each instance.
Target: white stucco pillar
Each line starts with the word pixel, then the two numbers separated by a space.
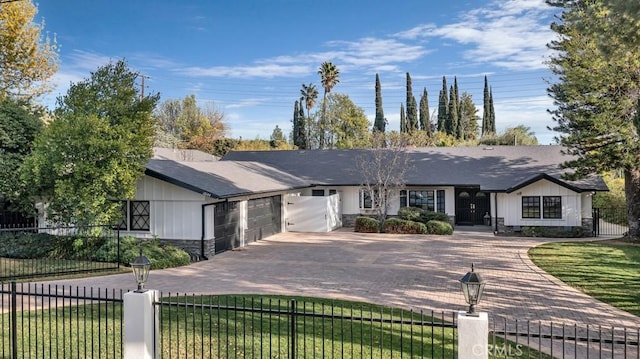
pixel 473 336
pixel 140 326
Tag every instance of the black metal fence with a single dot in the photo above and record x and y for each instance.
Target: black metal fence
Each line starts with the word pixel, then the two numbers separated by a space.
pixel 610 221
pixel 530 339
pixel 48 321
pixel 32 252
pixel 232 327
pixel 39 321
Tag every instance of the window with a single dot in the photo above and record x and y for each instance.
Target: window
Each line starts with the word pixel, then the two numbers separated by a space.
pixel 139 219
pixel 422 199
pixel 136 216
pixel 440 201
pixel 530 207
pixel 317 192
pixel 365 199
pixel 403 198
pixel 552 207
pixel 332 192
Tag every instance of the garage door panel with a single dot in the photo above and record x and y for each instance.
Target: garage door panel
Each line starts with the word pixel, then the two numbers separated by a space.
pixel 227 226
pixel 264 218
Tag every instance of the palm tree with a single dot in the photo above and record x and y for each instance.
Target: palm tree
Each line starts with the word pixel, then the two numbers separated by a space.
pixel 308 94
pixel 329 77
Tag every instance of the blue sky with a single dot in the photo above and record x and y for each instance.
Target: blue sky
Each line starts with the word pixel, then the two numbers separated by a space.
pixel 250 58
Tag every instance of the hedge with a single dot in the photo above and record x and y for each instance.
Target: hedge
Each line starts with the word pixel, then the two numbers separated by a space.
pixel 439 227
pixel 403 226
pixel 367 225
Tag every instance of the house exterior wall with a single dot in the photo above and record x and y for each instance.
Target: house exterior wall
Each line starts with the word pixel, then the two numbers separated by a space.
pixel 509 207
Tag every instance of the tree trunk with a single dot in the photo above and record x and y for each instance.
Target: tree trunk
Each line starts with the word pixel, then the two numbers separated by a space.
pixel 632 194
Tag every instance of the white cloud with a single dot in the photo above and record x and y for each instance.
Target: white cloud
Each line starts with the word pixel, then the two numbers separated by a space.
pixel 510 34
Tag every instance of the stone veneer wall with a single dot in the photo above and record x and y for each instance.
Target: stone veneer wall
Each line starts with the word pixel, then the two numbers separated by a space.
pixel 587 224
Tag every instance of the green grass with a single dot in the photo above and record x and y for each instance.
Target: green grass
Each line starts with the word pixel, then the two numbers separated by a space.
pixel 200 326
pixel 606 271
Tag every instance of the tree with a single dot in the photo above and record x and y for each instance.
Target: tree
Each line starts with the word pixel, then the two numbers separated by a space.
pixel 27 61
pixel 329 77
pixel 492 113
pixel 412 108
pixel 452 120
pixel 403 120
pixel 486 116
pixel 309 95
pixel 94 151
pixel 167 134
pixel 512 136
pixel 383 169
pixel 425 122
pixel 380 122
pixel 299 132
pixel 443 107
pixel 277 138
pixel 350 124
pixel 20 123
pixel 597 92
pixel 468 118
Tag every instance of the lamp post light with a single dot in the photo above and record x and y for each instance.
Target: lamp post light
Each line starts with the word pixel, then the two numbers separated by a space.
pixel 141 266
pixel 472 286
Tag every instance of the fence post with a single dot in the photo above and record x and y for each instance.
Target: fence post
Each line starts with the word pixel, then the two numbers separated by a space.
pixel 140 327
pixel 473 336
pixel 14 321
pixel 293 328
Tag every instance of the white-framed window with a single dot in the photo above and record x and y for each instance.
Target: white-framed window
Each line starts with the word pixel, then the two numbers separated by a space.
pixel 136 216
pixel 366 200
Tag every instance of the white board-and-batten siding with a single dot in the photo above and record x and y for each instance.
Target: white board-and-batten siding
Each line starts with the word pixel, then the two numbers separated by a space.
pixel 176 213
pixel 510 205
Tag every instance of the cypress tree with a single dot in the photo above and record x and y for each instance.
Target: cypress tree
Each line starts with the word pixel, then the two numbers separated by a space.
pixel 403 120
pixel 304 128
pixel 452 120
pixel 425 122
pixel 486 111
pixel 380 122
pixel 443 107
pixel 492 113
pixel 412 108
pixel 296 124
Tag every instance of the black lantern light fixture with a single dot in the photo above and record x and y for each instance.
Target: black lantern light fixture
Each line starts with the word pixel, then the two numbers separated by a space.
pixel 141 266
pixel 472 286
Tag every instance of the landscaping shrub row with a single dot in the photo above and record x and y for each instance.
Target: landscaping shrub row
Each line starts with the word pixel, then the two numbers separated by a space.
pixel 410 221
pixel 23 245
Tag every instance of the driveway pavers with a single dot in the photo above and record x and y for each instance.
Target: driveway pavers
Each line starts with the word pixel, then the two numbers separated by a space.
pixel 418 272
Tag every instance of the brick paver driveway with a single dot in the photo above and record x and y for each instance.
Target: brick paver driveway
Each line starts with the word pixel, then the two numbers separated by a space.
pixel 419 272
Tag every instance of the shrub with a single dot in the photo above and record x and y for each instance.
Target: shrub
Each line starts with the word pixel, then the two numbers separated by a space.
pixel 160 255
pixel 427 216
pixel 367 225
pixel 402 226
pixel 439 227
pixel 410 213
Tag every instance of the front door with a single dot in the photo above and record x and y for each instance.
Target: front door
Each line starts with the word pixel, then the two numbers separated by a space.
pixel 471 206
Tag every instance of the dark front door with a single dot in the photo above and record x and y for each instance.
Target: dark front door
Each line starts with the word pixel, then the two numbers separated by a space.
pixel 226 225
pixel 264 218
pixel 471 206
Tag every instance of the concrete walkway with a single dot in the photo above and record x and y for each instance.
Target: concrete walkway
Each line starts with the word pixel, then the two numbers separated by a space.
pixel 419 272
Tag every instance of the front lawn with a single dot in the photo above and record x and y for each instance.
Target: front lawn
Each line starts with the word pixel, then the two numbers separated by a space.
pixel 606 270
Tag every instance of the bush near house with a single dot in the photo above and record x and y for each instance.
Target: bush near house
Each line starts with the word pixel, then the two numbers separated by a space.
pixel 24 245
pixel 403 226
pixel 439 227
pixel 367 225
pixel 421 215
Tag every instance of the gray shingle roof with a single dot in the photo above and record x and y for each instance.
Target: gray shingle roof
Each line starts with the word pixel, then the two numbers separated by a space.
pixel 222 179
pixel 498 168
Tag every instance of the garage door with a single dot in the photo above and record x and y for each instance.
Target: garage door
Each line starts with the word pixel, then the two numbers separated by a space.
pixel 227 226
pixel 264 218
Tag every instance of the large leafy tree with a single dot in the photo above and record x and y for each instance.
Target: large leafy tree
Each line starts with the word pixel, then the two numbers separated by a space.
pixel 380 122
pixel 20 123
pixel 93 152
pixel 596 61
pixel 350 124
pixel 308 96
pixel 329 78
pixel 27 60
